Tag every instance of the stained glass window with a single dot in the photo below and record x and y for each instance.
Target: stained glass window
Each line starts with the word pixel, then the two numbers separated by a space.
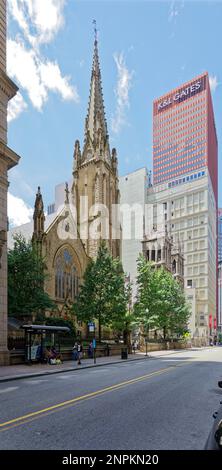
pixel 66 276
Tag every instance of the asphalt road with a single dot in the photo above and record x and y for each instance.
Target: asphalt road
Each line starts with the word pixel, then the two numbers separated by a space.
pixel 151 404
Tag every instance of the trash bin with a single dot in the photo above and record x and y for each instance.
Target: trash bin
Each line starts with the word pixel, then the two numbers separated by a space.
pixel 124 353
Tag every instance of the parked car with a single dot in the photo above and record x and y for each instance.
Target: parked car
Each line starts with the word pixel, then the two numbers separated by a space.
pixel 214 441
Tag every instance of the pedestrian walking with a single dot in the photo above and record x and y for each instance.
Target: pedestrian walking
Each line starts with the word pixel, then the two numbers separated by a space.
pixel 90 350
pixel 79 352
pixel 75 352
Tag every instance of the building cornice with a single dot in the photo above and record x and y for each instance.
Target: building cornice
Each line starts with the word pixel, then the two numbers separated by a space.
pixel 7 85
pixel 8 155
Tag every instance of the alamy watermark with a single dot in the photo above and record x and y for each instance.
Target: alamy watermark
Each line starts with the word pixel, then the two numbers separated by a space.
pixel 118 221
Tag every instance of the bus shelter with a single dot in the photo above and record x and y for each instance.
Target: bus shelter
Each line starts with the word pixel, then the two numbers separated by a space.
pixel 37 337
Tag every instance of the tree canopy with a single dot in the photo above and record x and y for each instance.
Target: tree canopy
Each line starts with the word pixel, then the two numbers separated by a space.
pixel 26 275
pixel 102 295
pixel 161 303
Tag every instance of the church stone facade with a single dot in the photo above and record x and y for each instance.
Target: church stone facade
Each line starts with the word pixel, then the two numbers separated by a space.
pixel 8 159
pixel 86 217
pixel 159 249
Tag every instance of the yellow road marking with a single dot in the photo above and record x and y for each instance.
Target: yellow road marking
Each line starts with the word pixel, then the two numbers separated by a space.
pixel 84 397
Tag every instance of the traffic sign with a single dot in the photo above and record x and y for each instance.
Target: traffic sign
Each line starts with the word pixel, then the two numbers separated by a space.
pixel 91 326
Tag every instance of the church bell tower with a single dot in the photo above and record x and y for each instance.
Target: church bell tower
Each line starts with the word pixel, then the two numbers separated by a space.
pixel 95 192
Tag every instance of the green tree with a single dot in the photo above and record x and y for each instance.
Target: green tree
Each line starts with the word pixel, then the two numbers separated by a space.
pixel 123 324
pixel 161 303
pixel 172 309
pixel 102 295
pixel 26 275
pixel 145 313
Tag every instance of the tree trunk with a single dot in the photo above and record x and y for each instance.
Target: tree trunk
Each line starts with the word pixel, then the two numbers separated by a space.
pixel 100 335
pixel 164 333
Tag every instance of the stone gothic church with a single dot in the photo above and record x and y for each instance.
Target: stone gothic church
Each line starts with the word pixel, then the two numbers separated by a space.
pixel 74 234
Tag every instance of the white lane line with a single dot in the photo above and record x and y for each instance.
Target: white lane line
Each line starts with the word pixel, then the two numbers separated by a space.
pixel 62 377
pixel 9 389
pixel 34 382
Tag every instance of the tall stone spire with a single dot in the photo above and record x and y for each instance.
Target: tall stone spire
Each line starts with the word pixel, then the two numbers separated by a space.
pixel 95 173
pixel 96 135
pixel 38 218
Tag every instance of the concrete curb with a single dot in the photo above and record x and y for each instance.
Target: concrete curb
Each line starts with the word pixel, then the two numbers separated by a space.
pixel 74 369
pixel 89 366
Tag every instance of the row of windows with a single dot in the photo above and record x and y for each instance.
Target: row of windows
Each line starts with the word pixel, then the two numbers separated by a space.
pixel 189 234
pixel 178 125
pixel 180 149
pixel 169 171
pixel 187 179
pixel 196 258
pixel 195 198
pixel 188 143
pixel 189 129
pixel 198 282
pixel 181 137
pixel 179 116
pixel 178 160
pixel 196 245
pixel 194 104
pixel 174 117
pixel 201 110
pixel 164 174
pixel 196 270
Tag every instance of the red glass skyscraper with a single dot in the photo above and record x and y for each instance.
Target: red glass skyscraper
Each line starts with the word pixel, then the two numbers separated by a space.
pixel 184 134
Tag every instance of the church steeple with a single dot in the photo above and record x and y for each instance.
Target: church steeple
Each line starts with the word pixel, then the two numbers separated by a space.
pixel 96 143
pixel 38 217
pixel 95 173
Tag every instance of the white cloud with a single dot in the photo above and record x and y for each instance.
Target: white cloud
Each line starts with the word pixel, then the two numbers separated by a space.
pixel 213 83
pixel 41 75
pixel 52 79
pixel 16 106
pixel 44 18
pixel 124 83
pixel 18 211
pixel 175 10
pixel 18 181
pixel 39 21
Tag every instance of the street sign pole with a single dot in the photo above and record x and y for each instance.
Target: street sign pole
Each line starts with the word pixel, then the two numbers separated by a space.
pixel 146 340
pixel 92 329
pixel 94 350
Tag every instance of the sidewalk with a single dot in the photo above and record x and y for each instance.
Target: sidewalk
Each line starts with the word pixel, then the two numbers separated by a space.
pixel 22 371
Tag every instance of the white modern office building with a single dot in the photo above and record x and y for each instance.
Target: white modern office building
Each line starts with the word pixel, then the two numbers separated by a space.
pixel 133 191
pixel 186 208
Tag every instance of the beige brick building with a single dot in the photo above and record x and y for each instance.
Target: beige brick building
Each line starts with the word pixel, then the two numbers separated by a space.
pixel 8 159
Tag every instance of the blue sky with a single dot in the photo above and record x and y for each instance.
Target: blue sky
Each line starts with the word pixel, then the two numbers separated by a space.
pixel 146 48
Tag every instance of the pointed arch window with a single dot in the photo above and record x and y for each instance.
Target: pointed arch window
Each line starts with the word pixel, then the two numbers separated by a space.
pixel 66 276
